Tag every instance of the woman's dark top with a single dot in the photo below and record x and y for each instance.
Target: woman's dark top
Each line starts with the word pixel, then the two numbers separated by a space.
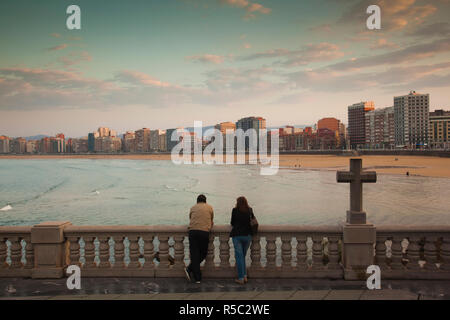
pixel 240 222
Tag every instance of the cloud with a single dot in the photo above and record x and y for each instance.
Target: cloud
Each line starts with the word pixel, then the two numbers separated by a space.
pixel 408 54
pixel 251 8
pixel 207 58
pixel 60 47
pixel 309 53
pixel 383 43
pixel 440 29
pixel 56 35
pixel 395 14
pixel 390 79
pixel 75 58
pixel 139 78
pixel 26 88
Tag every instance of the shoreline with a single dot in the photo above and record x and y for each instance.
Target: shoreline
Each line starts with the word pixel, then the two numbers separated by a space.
pixel 425 166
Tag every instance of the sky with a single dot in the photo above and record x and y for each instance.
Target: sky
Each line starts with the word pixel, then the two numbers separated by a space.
pixel 165 64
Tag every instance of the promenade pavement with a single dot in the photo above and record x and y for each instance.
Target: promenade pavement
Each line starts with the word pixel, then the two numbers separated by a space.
pixel 221 289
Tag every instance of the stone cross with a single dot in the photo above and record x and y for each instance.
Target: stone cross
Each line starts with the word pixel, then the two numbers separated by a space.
pixel 356 177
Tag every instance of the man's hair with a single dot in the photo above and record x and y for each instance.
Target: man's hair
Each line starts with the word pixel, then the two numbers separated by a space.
pixel 201 198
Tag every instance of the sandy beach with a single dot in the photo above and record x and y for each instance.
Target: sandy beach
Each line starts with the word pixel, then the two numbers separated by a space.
pixel 386 164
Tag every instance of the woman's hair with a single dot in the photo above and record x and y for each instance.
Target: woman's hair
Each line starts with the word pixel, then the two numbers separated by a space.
pixel 242 204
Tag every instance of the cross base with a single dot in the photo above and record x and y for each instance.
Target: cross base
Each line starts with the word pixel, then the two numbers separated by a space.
pixel 356 217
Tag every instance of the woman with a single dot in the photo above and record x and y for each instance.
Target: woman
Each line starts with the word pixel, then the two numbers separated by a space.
pixel 241 233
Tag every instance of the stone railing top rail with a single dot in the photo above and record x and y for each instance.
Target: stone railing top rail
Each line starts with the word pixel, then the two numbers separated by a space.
pixel 69 230
pixel 412 229
pixel 15 230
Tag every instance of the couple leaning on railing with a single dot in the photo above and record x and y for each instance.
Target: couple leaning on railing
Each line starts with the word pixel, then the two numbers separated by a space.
pixel 243 224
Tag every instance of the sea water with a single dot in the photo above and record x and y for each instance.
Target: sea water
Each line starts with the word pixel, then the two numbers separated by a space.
pixel 151 192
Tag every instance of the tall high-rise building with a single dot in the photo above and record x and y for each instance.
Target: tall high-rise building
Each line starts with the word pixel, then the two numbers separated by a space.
pixel 257 123
pixel 157 143
pixel 439 129
pixel 380 128
pixel 18 145
pixel 411 117
pixel 4 144
pixel 103 132
pixel 224 126
pixel 129 144
pixel 357 123
pixel 142 140
pixel 91 141
pixel 169 143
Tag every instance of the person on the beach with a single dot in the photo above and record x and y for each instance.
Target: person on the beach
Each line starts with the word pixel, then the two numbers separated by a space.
pixel 241 233
pixel 201 218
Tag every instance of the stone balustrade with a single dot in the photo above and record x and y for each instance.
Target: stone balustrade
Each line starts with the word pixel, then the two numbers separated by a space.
pixel 413 252
pixel 43 251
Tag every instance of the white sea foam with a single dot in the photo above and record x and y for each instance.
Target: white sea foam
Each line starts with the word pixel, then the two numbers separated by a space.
pixel 6 208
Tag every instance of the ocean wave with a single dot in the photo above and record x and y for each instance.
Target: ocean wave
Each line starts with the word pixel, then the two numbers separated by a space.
pixel 6 208
pixel 39 195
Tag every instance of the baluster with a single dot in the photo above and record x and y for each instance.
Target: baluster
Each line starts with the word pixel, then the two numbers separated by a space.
pixel 148 251
pixel 224 251
pixel 317 252
pixel 89 252
pixel 413 253
pixel 445 253
pixel 333 252
pixel 397 255
pixel 286 252
pixel 104 252
pixel 380 252
pixel 271 252
pixel 16 252
pixel 302 254
pixel 29 254
pixel 119 252
pixel 163 252
pixel 134 251
pixel 255 253
pixel 178 248
pixel 3 253
pixel 74 248
pixel 430 253
pixel 209 260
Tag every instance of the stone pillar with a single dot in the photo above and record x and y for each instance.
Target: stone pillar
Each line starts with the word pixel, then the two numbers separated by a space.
pixel 49 249
pixel 358 250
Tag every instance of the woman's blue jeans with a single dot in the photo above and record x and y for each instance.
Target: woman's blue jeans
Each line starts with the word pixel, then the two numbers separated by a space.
pixel 241 244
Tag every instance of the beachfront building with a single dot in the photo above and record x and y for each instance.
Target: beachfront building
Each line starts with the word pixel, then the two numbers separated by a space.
pixel 257 123
pixel 411 118
pixel 223 127
pixel 158 140
pixel 172 143
pixel 336 126
pixel 142 140
pixel 380 128
pixel 357 122
pixel 328 123
pixel 31 146
pixel 128 142
pixel 80 145
pixel 4 144
pixel 439 129
pixel 108 144
pixel 18 145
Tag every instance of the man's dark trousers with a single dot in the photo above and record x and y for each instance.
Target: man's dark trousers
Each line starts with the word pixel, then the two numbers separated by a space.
pixel 198 249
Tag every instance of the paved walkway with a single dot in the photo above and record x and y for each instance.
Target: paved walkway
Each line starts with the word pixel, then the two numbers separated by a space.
pixel 222 289
pixel 244 295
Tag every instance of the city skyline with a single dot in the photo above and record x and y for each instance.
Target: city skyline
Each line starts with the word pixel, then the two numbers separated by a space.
pixel 174 62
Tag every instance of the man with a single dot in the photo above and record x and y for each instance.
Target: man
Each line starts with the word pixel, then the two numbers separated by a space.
pixel 201 222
